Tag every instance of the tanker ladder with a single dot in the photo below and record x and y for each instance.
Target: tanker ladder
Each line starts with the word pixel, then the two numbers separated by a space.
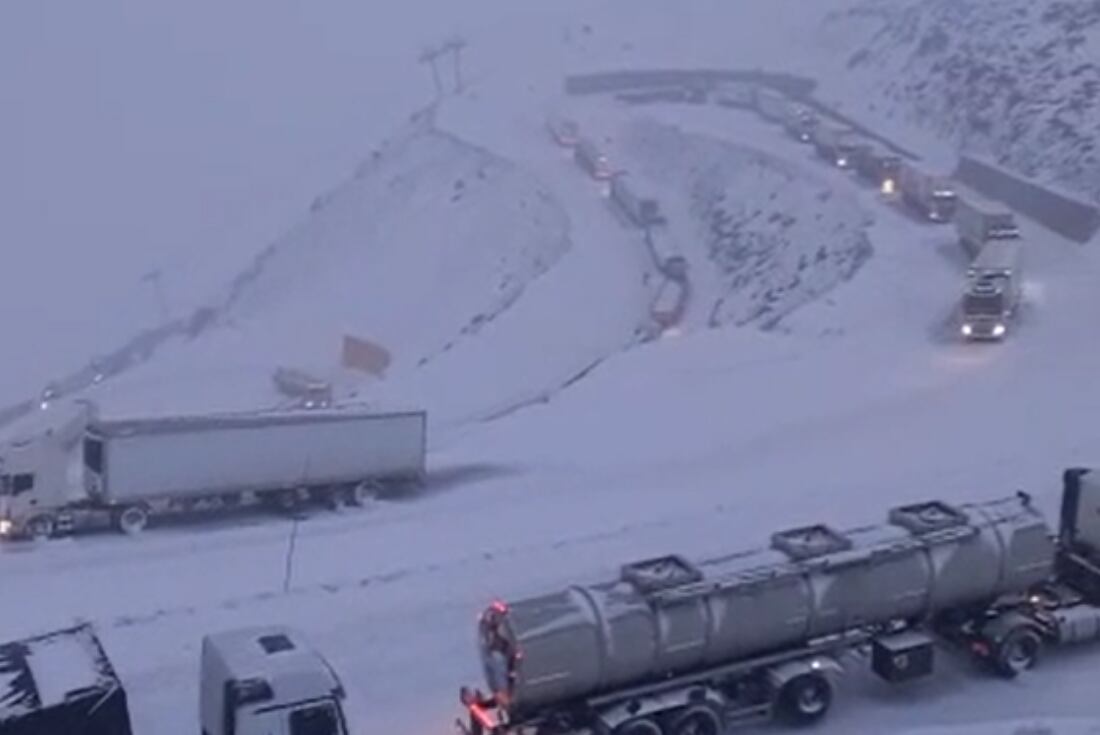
pixel 795 684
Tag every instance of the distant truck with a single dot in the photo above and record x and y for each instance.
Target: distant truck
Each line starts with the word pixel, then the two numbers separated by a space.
pixel 980 221
pixel 879 167
pixel 84 471
pixel 564 131
pixel 796 118
pixel 836 145
pixel 741 95
pixel 932 196
pixel 642 210
pixel 994 290
pixel 588 157
pixel 672 647
pixel 61 683
pixel 268 680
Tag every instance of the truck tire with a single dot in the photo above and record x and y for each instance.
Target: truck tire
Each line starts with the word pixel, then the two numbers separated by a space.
pixel 1017 652
pixel 639 726
pixel 699 719
pixel 362 494
pixel 805 699
pixel 40 528
pixel 132 520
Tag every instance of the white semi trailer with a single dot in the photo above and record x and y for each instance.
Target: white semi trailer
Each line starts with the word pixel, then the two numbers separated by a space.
pixel 87 471
pixel 979 220
pixel 676 648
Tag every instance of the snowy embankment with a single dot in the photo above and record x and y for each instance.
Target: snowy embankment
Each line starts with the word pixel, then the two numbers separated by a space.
pixel 422 252
pixel 777 235
pixel 1016 79
pixel 1039 726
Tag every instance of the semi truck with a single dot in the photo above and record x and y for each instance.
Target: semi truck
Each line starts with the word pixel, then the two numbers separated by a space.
pixel 564 131
pixel 931 195
pixel 836 145
pixel 878 167
pixel 979 221
pixel 84 470
pixel 268 679
pixel 588 157
pixel 994 290
pixel 797 119
pixel 61 682
pixel 672 647
pixel 642 210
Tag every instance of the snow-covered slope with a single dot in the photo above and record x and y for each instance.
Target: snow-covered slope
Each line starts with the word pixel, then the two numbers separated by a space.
pixel 1015 79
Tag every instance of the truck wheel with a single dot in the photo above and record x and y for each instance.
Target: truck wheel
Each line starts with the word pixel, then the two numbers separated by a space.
pixel 1017 652
pixel 132 521
pixel 362 494
pixel 639 726
pixel 698 719
pixel 805 699
pixel 40 528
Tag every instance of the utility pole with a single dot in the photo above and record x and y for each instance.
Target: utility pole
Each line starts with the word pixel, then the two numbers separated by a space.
pixel 153 278
pixel 429 56
pixel 455 46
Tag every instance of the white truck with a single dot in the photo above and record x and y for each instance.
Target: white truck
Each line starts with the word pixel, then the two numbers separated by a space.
pixel 979 220
pixel 932 196
pixel 85 471
pixel 588 156
pixel 836 145
pixel 268 680
pixel 994 290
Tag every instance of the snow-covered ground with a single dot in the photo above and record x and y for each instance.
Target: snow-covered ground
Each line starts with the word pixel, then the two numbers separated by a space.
pixel 857 401
pixel 1015 80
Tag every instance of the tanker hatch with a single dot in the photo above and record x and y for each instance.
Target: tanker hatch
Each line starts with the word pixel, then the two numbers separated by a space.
pixel 809 542
pixel 660 573
pixel 927 517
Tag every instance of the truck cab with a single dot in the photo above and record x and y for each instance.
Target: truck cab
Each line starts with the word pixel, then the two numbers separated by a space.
pixel 268 681
pixel 986 308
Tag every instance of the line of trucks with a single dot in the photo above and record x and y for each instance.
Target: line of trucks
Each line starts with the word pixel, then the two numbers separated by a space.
pixel 76 469
pixel 671 646
pixel 987 230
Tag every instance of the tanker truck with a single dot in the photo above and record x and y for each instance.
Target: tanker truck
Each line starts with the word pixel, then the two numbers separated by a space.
pixel 673 647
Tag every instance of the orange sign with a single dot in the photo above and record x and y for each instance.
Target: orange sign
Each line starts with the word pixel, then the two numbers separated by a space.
pixel 364 355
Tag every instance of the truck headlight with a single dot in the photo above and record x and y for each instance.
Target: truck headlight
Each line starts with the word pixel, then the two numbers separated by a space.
pixel 967 330
pixel 998 330
pixel 842 161
pixel 5 527
pixel 888 186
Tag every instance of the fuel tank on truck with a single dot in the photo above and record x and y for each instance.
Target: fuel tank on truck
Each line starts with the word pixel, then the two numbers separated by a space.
pixel 667 616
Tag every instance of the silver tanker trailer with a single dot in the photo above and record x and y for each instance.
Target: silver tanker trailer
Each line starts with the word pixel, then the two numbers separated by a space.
pixel 680 648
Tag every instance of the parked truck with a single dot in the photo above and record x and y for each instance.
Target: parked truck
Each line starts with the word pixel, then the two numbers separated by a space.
pixel 879 167
pixel 994 290
pixel 84 470
pixel 676 648
pixel 268 679
pixel 979 221
pixel 588 157
pixel 931 195
pixel 641 209
pixel 837 145
pixel 61 682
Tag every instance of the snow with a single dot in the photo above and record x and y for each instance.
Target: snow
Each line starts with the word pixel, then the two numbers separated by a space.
pixel 60 666
pixel 562 447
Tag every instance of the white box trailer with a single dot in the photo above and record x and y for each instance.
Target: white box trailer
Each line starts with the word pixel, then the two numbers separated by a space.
pixel 124 470
pixel 979 220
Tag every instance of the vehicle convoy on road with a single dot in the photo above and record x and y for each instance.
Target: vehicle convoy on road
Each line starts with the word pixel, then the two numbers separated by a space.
pixel 979 220
pixel 994 290
pixel 85 471
pixel 932 196
pixel 675 648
